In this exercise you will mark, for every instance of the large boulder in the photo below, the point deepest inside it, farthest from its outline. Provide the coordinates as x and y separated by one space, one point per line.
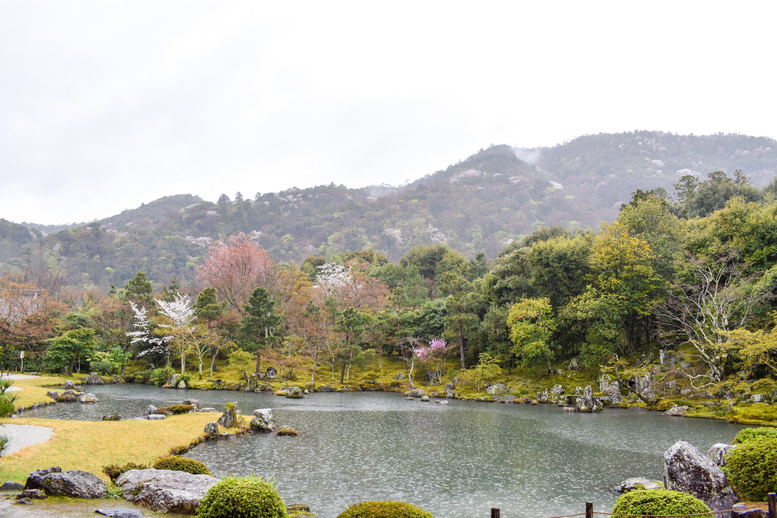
212 430
69 385
165 491
88 397
677 411
611 389
588 403
94 379
74 483
686 469
717 453
263 421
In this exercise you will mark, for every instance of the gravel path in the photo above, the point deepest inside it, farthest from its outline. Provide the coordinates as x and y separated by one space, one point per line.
22 435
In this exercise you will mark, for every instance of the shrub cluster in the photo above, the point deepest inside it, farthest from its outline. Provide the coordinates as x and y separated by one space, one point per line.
384 509
659 502
748 434
242 497
177 463
114 471
750 467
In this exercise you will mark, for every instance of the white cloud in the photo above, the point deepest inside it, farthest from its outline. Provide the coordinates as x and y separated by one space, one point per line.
110 104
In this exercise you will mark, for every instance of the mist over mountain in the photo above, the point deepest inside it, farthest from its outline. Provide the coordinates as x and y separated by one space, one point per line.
479 204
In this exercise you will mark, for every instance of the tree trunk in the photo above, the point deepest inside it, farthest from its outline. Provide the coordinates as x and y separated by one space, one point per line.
342 373
461 340
213 354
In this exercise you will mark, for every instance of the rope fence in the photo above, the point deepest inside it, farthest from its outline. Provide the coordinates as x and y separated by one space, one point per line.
732 513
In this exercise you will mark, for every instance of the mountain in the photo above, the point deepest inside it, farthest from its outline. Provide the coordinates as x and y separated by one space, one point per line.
480 204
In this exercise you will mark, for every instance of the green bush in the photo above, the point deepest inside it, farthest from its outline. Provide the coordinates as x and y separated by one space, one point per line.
659 502
161 376
750 468
242 497
176 463
748 434
114 471
240 357
3 442
384 509
102 367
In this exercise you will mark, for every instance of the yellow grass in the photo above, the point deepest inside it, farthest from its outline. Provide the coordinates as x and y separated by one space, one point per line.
90 445
34 390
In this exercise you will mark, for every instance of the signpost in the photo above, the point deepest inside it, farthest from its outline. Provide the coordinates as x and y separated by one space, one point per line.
21 357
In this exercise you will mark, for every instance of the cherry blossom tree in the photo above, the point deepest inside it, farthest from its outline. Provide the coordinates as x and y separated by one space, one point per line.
180 314
436 352
142 335
235 268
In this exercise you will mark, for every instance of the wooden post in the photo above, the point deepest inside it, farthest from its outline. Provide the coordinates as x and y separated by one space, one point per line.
495 512
772 499
589 510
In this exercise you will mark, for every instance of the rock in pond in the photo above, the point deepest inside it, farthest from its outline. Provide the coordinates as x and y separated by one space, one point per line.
74 483
630 484
686 469
263 421
94 379
88 397
165 491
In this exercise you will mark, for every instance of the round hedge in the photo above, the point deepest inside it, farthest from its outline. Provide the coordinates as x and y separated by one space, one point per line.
750 468
242 497
749 434
658 502
177 463
384 509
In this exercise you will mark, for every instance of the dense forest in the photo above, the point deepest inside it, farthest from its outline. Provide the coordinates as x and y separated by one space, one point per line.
688 274
497 196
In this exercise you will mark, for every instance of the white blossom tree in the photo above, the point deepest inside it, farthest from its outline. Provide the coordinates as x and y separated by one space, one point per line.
180 314
142 334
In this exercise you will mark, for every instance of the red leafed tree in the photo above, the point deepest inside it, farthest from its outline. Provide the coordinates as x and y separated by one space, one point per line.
235 268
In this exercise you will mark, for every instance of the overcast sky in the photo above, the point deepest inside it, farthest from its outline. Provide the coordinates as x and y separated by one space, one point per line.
105 105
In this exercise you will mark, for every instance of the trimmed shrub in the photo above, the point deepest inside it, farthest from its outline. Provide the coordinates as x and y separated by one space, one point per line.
176 463
659 502
750 468
114 471
384 509
242 497
102 367
748 434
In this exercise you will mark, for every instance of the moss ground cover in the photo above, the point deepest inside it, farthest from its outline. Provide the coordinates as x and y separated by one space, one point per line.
90 445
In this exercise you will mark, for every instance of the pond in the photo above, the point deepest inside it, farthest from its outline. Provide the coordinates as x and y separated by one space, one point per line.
456 460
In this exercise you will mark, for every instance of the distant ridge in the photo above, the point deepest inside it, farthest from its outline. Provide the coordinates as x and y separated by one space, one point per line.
479 204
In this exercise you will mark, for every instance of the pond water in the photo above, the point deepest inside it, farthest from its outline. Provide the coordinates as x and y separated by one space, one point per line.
456 460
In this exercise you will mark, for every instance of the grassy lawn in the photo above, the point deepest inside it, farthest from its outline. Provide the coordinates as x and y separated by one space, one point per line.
90 445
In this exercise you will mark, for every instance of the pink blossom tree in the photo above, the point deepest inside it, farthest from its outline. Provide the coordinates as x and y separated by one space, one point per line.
436 353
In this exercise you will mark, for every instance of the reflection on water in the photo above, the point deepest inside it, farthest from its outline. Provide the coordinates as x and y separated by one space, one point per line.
456 460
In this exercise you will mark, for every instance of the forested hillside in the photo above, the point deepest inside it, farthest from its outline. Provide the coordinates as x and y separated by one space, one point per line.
672 298
481 204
